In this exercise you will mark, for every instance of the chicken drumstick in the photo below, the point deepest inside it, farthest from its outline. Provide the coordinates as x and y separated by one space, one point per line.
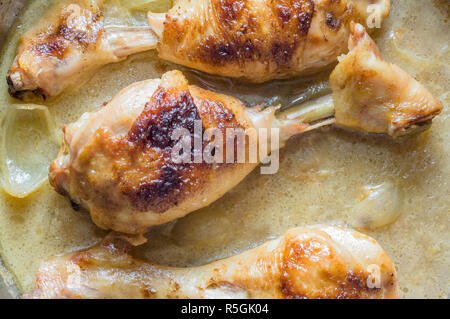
118 161
310 262
257 40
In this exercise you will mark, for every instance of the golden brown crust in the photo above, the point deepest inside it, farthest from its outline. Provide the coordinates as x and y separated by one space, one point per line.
138 170
241 37
336 281
258 40
68 30
372 95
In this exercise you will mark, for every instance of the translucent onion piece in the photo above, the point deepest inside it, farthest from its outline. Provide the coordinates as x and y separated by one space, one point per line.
29 141
153 5
381 206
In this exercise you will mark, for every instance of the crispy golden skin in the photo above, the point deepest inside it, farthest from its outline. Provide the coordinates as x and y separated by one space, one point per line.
372 95
259 40
310 262
68 42
118 161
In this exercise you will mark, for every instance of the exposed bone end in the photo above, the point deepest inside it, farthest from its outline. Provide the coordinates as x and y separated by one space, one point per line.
156 21
15 84
18 88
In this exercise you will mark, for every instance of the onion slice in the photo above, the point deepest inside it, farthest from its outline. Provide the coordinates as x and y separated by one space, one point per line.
381 205
29 141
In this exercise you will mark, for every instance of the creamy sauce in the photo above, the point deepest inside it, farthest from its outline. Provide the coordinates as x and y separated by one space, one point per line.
322 174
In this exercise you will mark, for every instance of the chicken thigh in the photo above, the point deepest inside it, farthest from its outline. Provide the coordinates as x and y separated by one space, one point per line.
257 40
311 262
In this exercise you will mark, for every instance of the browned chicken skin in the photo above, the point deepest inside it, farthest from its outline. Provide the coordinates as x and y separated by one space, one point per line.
370 94
68 42
116 162
310 262
257 40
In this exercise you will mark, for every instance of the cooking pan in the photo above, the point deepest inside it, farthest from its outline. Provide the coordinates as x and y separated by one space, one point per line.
9 10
